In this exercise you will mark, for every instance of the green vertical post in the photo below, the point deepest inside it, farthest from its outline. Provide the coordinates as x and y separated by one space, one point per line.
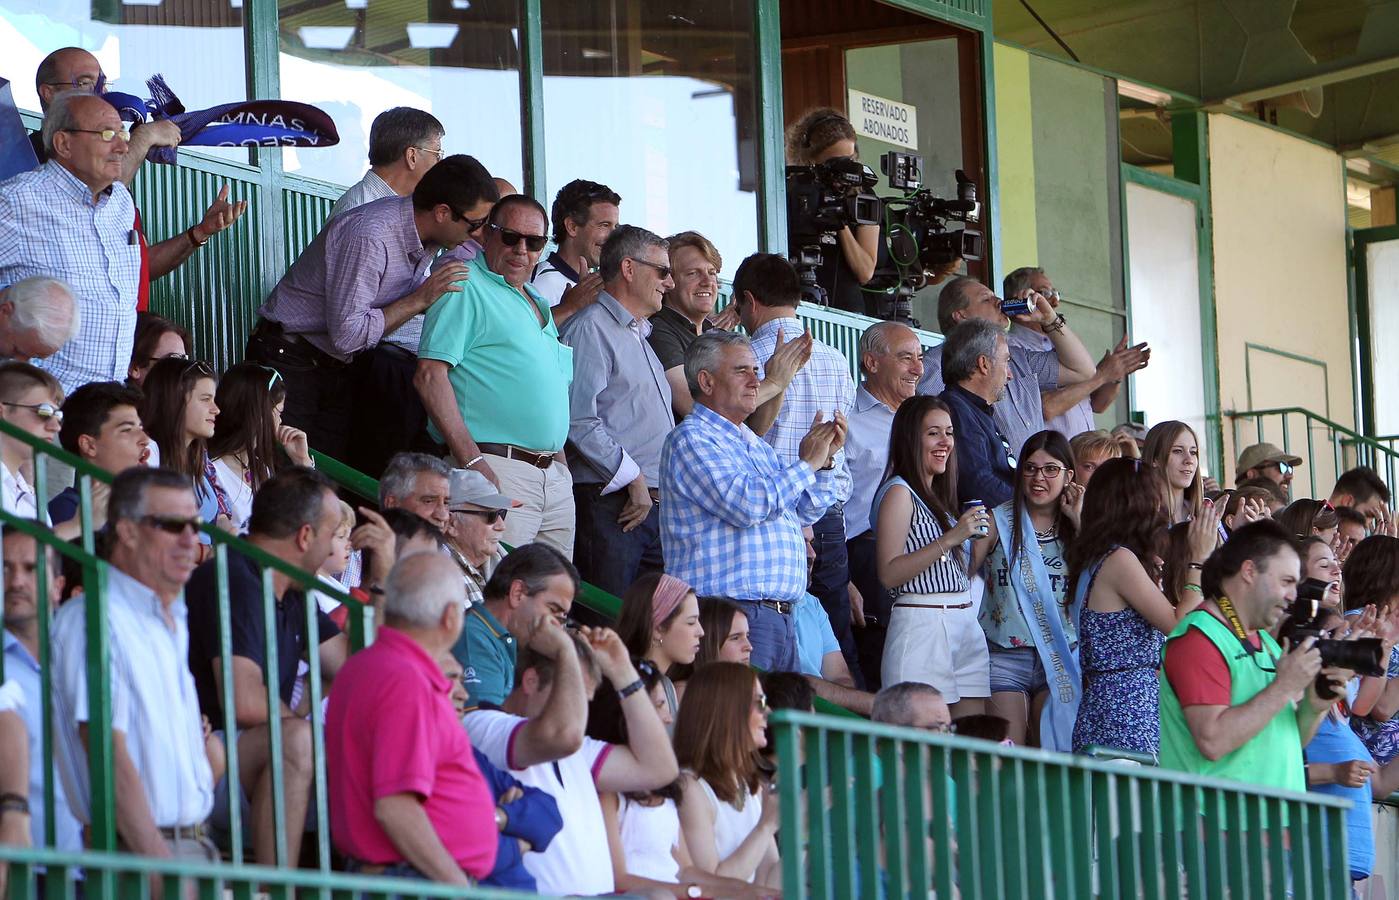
99 712
791 827
261 49
532 98
230 729
274 715
313 688
42 554
772 165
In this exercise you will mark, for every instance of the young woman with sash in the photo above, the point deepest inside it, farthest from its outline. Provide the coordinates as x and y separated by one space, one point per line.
925 552
1035 681
1122 616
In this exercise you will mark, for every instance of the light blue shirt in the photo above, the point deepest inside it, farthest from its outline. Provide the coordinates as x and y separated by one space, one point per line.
22 668
732 511
1079 418
815 637
867 454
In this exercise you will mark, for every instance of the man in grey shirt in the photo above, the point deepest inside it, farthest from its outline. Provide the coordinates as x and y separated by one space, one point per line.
1020 411
620 413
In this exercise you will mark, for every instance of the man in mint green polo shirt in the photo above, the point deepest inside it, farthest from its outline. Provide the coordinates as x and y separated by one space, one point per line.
1233 705
494 378
532 583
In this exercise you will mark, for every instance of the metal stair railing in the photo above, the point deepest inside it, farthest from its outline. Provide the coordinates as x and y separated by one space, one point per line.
1293 428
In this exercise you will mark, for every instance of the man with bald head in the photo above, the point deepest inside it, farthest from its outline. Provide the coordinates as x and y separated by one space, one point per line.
71 219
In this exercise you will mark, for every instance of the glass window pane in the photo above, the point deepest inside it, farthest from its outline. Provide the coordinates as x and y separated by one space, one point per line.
657 102
457 59
133 41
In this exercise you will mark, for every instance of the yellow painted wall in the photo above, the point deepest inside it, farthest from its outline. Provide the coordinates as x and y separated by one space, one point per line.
1015 160
1279 279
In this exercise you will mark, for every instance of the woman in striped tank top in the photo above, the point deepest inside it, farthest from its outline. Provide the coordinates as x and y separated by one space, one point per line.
924 552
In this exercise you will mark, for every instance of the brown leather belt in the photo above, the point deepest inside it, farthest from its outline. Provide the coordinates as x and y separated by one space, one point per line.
934 605
183 833
510 451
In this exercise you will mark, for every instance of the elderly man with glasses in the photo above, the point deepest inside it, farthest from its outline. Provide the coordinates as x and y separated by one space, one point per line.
495 379
364 276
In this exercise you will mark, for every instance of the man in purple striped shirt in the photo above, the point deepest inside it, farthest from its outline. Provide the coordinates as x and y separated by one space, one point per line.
362 277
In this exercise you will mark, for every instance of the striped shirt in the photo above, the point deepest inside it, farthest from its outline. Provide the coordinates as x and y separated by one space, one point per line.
154 703
363 260
368 189
946 576
823 384
50 226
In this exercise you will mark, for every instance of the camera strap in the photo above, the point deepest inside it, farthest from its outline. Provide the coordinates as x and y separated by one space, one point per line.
1236 624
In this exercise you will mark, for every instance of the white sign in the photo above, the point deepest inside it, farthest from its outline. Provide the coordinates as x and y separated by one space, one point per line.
884 120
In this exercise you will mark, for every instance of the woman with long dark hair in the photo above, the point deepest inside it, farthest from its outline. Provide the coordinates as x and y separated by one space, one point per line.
1123 617
660 622
250 443
1035 680
1372 579
157 338
1173 450
1310 518
925 551
179 413
728 813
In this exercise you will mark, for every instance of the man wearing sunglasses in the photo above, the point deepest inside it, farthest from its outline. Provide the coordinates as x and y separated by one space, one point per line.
29 400
477 520
164 786
494 378
1270 462
620 408
362 278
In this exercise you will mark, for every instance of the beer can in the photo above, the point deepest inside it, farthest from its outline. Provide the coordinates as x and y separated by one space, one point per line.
1016 307
982 530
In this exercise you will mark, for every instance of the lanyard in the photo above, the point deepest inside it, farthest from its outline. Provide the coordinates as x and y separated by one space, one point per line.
1235 624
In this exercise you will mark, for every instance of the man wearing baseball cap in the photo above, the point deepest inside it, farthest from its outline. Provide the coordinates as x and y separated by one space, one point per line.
1267 461
476 511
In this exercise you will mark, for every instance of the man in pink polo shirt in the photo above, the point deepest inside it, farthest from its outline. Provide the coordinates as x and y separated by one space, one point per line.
406 796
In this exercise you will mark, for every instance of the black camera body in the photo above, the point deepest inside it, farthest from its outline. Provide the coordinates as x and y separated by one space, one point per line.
821 200
1362 655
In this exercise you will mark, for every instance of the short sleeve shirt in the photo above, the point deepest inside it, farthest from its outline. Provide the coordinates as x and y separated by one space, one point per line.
486 651
671 335
510 374
578 860
815 637
391 729
247 634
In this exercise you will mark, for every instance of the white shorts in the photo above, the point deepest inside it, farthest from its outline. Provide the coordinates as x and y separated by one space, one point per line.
942 647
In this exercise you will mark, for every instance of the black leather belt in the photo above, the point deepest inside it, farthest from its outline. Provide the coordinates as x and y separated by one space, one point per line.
785 607
510 451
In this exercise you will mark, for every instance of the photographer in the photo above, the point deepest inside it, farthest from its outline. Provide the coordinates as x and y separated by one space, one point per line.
1237 714
820 135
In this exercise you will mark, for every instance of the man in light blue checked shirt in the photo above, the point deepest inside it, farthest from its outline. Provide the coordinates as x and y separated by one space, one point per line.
766 292
733 511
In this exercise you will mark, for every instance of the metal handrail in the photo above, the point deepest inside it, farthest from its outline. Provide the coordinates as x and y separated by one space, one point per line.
1348 446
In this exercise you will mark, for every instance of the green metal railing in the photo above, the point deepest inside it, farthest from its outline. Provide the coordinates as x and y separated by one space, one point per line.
875 811
1304 433
129 877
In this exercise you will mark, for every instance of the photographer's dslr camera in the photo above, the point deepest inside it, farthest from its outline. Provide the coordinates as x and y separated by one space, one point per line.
1360 655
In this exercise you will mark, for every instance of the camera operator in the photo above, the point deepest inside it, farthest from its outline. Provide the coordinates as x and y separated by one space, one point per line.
1258 739
823 134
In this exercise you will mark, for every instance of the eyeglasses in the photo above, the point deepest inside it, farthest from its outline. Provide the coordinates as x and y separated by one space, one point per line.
176 525
940 728
107 134
438 153
471 224
42 410
491 516
1050 471
760 703
533 242
85 83
663 270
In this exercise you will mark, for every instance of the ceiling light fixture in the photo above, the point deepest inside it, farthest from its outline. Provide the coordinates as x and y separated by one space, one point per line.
326 37
431 35
1142 93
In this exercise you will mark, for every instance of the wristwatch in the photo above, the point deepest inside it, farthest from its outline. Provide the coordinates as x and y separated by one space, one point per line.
693 890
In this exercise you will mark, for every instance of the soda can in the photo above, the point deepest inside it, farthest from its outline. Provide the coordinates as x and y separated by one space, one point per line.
982 530
1016 307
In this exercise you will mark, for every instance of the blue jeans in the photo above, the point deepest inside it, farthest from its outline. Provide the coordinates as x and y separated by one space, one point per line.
605 556
773 636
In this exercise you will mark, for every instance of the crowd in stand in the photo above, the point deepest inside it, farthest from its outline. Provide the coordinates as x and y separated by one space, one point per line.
948 544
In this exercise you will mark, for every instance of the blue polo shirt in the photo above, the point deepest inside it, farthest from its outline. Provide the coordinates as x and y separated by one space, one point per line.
510 374
486 651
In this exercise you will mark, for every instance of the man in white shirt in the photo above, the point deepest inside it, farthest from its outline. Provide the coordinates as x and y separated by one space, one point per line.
584 214
403 144
538 737
163 785
29 400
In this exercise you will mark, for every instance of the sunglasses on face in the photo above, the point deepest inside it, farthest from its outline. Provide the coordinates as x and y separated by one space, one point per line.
42 410
106 134
533 242
471 224
82 83
760 703
663 270
491 516
176 525
1282 467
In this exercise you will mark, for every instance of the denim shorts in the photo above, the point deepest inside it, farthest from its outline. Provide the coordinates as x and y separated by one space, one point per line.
1017 669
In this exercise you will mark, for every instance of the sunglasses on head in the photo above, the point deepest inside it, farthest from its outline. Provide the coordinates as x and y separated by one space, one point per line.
201 367
173 524
533 242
